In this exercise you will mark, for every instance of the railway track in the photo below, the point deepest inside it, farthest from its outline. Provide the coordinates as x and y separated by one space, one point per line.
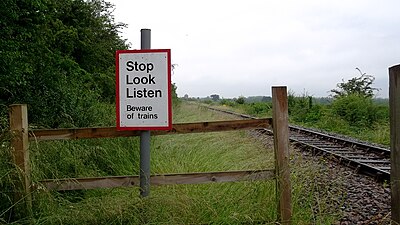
364 158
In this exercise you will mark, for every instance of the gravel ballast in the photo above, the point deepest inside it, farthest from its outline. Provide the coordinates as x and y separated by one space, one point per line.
356 198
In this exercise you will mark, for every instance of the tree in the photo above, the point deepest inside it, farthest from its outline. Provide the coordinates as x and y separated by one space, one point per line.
353 101
174 95
241 100
57 57
302 109
361 86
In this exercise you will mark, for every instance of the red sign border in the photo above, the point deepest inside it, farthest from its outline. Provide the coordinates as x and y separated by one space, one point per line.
169 125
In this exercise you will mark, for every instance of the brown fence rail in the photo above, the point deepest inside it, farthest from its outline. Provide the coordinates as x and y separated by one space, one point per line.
165 179
183 128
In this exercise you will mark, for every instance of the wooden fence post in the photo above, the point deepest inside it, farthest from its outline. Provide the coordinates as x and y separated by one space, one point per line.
394 103
281 146
20 154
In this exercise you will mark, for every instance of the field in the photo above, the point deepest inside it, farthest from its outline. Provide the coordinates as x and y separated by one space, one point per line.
227 203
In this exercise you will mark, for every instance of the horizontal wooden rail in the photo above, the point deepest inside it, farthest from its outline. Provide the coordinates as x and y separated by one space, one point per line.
183 128
129 181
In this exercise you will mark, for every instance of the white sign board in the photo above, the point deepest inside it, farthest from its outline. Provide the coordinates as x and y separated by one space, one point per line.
143 80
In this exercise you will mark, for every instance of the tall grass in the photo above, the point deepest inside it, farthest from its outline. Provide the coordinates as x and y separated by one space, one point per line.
7 175
226 203
372 126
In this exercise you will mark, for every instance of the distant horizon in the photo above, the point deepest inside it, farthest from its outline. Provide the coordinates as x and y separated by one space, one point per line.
222 97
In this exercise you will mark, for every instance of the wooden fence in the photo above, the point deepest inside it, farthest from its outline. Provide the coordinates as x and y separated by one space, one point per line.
281 172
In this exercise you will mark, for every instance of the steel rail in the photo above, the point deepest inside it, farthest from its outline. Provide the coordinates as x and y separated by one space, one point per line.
365 158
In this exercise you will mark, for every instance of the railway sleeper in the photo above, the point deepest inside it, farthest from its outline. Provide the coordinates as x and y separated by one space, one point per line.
350 155
383 168
341 150
372 161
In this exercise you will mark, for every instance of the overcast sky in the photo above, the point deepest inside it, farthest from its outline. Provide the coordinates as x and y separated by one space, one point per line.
235 48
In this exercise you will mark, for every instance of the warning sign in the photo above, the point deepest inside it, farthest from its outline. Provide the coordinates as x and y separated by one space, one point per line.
143 80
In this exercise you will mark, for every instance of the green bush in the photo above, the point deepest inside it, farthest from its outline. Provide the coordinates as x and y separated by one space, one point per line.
259 108
357 110
175 100
303 110
241 100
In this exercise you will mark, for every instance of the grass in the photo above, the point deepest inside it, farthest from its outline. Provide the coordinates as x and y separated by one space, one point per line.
378 133
225 203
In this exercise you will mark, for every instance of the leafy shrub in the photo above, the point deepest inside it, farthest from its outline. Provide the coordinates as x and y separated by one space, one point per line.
302 109
240 100
361 85
175 99
357 110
